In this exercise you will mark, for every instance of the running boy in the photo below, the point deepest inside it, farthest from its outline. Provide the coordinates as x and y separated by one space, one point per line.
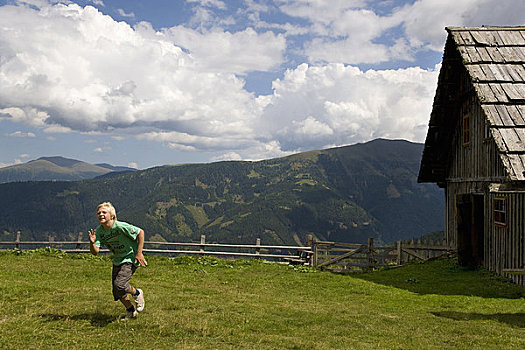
125 241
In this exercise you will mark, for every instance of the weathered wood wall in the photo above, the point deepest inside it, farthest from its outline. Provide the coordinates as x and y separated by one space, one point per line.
473 168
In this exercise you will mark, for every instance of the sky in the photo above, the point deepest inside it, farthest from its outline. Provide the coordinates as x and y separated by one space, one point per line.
145 83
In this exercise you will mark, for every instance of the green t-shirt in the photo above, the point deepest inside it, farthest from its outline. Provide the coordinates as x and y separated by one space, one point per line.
121 240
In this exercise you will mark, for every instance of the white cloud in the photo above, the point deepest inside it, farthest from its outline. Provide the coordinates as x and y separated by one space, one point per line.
221 51
83 71
125 14
21 134
447 13
355 32
133 165
227 156
210 3
318 106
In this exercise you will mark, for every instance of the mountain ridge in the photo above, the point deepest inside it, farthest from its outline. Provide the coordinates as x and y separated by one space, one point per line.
56 168
344 194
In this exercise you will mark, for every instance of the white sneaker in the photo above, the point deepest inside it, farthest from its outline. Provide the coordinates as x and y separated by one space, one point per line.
131 314
139 300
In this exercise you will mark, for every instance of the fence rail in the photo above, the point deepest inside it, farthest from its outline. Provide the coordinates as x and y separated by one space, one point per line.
297 254
321 254
347 257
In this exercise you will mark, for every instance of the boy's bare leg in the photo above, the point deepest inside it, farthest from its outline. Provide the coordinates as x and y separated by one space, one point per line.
131 290
126 302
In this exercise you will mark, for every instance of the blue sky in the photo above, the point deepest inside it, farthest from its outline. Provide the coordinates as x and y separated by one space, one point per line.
148 83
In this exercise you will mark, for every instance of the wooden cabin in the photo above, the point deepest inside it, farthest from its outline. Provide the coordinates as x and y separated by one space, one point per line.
475 146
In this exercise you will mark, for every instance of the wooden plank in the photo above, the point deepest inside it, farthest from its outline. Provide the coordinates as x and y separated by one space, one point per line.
514 271
517 166
476 73
511 37
413 253
492 115
515 115
483 37
514 72
495 54
498 41
457 38
519 51
473 54
489 75
499 75
467 38
505 116
521 110
522 159
498 139
512 140
344 256
483 54
521 134
485 93
520 70
464 53
509 55
510 73
514 92
499 93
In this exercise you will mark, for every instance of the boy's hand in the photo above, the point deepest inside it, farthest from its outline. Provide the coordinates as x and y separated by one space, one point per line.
92 236
140 258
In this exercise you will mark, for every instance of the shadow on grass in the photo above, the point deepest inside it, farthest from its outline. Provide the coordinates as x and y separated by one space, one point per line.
446 277
514 320
96 319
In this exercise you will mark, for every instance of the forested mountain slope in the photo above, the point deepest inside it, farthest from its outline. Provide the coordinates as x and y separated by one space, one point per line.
341 194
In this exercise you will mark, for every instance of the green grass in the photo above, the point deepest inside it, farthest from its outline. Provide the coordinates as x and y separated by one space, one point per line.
50 300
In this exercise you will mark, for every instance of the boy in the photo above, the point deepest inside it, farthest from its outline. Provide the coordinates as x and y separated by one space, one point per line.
125 241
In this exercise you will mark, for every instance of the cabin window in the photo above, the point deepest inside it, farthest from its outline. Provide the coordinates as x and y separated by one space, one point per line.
486 130
500 210
467 118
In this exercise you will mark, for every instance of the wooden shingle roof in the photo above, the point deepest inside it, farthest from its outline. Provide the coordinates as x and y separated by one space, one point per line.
494 58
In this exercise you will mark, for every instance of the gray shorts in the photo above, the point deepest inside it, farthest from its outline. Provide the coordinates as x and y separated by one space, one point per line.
121 275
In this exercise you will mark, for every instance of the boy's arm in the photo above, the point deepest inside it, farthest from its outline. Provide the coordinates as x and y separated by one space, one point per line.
92 238
140 257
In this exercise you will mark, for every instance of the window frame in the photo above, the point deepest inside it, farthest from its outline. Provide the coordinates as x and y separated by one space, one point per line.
487 134
500 214
467 129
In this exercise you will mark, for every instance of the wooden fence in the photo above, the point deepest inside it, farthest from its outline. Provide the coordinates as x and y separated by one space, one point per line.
293 254
320 254
356 257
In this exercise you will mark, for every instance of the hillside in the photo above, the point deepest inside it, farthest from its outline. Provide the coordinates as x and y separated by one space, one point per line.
55 169
342 194
207 303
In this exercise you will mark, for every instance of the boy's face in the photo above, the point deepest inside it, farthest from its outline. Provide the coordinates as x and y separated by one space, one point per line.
103 215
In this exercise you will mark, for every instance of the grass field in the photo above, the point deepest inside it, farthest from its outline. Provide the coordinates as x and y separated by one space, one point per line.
50 300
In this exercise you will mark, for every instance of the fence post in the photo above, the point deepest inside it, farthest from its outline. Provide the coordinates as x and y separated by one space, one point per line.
314 248
79 240
203 241
17 244
258 248
399 252
370 252
309 243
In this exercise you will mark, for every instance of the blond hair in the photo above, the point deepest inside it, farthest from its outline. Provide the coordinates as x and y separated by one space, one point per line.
111 208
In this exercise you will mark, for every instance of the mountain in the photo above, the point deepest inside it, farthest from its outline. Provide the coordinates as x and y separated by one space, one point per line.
56 169
344 194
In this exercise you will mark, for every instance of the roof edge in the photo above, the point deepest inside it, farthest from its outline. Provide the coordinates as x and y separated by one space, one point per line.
459 29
